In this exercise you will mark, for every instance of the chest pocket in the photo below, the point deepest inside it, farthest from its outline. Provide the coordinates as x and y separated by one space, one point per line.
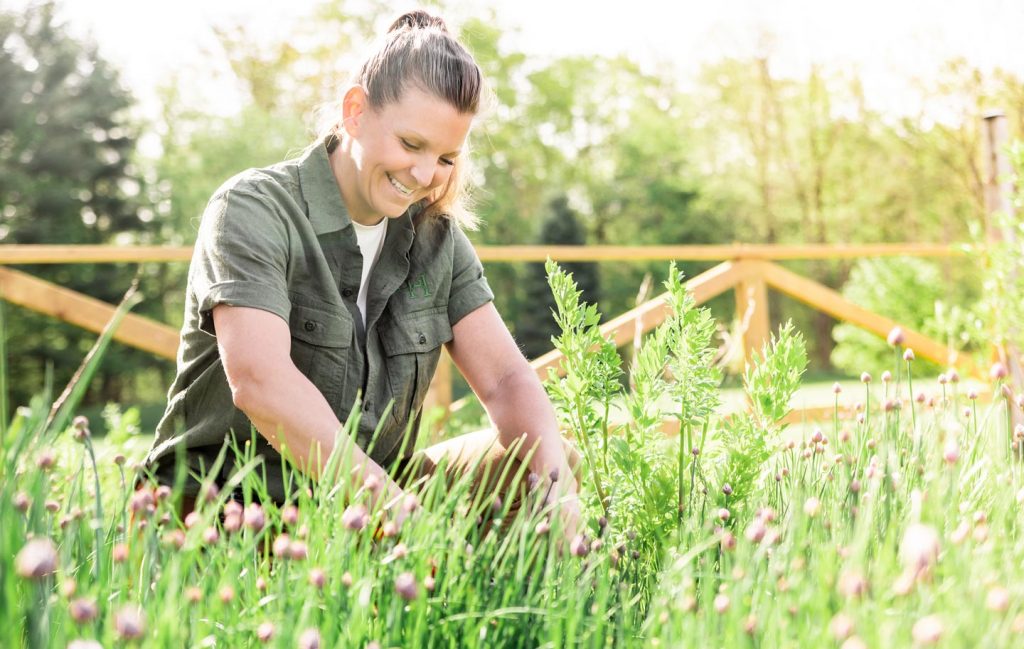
412 344
321 342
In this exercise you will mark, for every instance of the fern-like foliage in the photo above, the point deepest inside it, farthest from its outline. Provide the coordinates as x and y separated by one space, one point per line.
749 439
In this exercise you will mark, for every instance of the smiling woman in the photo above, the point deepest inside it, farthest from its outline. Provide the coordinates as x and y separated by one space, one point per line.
339 275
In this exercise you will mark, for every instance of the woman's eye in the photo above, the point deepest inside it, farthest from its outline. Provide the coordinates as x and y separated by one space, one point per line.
409 145
447 162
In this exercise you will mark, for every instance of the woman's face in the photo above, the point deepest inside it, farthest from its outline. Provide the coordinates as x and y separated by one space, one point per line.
402 152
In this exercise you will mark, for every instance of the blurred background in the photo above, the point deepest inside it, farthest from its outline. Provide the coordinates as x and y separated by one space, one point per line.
612 123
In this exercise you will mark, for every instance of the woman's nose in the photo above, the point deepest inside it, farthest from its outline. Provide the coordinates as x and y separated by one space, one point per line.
423 172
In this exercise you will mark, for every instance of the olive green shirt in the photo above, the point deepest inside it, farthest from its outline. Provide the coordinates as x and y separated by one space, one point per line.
280 239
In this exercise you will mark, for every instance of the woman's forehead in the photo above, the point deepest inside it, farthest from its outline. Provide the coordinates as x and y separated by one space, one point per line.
429 118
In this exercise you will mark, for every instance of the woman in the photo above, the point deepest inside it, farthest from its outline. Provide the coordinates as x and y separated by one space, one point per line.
342 273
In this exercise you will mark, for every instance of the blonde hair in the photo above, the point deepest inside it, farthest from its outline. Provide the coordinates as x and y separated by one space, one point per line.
418 49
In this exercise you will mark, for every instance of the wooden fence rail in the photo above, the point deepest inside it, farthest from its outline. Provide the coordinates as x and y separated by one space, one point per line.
746 269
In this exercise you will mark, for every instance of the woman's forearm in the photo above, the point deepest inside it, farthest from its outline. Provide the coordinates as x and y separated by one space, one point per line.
521 409
288 410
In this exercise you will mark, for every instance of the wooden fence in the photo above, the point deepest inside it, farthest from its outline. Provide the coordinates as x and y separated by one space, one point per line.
750 271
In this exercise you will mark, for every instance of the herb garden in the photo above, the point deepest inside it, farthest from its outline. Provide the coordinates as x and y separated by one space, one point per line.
894 523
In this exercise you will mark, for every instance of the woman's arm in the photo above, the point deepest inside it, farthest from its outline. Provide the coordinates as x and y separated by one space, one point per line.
282 403
484 351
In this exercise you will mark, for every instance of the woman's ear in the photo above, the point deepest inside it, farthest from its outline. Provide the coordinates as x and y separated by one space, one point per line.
353 107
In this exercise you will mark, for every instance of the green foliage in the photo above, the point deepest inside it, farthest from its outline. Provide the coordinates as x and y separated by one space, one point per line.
747 441
910 291
67 176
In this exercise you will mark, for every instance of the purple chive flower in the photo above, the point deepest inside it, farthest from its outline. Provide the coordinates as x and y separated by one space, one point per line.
254 517
543 527
130 623
310 639
908 355
290 515
895 336
579 546
865 377
954 377
265 632
297 551
886 376
83 610
80 428
405 586
410 503
37 559
998 372
355 517
280 546
317 578
727 489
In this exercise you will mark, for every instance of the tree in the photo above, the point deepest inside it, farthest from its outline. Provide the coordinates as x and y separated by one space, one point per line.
536 324
66 176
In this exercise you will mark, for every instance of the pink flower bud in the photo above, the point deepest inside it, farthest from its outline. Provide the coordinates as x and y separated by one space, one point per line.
280 546
254 517
723 514
998 372
928 630
355 517
836 388
193 594
921 397
83 610
886 376
579 546
954 376
265 632
817 436
119 553
908 354
317 578
310 639
22 502
261 584
389 529
290 515
429 583
405 586
895 336
174 539
372 483
130 623
543 527
192 519
232 523
865 377
722 603
346 579
920 548
998 599
812 506
952 452
852 584
943 379
728 541
232 508
972 394
841 626
297 551
211 535
226 594
411 503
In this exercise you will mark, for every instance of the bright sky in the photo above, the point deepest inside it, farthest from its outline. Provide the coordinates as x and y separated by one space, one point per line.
888 41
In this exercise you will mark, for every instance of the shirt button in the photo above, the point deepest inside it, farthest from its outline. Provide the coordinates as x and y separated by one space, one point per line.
423 339
310 325
346 292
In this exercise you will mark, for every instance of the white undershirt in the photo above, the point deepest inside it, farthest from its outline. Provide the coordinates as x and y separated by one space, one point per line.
371 241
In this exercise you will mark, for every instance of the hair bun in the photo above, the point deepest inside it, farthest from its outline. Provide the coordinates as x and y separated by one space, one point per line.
417 19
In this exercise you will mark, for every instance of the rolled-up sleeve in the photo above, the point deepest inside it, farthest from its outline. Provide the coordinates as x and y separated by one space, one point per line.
241 256
469 288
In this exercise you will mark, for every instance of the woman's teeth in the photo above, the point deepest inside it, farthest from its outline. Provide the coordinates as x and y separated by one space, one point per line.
399 186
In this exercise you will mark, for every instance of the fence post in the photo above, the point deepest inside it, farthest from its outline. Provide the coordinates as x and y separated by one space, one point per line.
752 312
998 192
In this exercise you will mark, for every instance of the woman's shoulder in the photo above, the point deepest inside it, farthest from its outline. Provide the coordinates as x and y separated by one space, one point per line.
275 182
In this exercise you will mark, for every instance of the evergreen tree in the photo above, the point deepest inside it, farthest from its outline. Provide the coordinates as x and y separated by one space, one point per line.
66 177
537 325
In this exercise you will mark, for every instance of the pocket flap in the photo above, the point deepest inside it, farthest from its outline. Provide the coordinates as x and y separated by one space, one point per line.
413 335
320 326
